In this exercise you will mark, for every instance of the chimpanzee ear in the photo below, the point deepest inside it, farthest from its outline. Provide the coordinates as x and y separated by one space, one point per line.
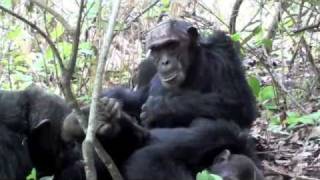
223 156
193 33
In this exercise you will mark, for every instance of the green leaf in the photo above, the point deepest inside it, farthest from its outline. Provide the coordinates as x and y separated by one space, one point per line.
292 118
15 33
57 32
236 37
48 54
264 42
205 175
267 43
165 3
267 93
254 84
65 48
32 175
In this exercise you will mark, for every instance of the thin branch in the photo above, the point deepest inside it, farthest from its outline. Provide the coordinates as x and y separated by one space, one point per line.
306 28
273 26
130 21
209 10
87 147
41 32
54 13
234 15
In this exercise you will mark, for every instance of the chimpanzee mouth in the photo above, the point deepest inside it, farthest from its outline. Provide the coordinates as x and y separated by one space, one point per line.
169 77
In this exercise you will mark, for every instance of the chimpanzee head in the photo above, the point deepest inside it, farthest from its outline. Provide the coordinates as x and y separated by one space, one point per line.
235 167
172 44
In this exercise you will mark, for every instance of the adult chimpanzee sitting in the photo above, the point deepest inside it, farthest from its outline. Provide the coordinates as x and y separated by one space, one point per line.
168 153
196 77
30 124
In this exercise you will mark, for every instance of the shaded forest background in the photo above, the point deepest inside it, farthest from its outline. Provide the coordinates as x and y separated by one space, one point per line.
279 41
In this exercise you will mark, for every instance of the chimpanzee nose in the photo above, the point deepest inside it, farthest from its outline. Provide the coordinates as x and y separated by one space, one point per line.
165 62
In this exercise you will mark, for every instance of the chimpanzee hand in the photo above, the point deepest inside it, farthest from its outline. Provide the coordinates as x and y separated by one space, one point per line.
108 111
153 109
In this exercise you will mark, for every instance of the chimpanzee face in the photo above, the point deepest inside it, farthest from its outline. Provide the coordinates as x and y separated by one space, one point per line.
172 61
171 50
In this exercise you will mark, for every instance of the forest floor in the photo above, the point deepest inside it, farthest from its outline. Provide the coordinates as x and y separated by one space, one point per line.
293 154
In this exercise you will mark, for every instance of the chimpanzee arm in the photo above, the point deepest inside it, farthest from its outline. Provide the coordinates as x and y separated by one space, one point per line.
184 108
131 101
115 129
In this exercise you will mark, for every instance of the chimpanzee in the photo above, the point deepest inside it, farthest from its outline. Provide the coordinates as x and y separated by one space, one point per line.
235 167
144 74
30 124
196 77
14 155
168 153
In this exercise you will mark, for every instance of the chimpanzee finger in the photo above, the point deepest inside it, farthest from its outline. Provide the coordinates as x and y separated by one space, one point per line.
111 103
104 100
114 112
144 107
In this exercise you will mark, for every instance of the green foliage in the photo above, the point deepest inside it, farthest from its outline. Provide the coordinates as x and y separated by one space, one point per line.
254 84
32 175
206 175
266 93
295 118
6 3
264 42
236 37
57 32
65 49
266 97
15 33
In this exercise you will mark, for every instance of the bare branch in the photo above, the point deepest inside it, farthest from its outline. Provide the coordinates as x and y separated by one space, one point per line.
41 32
53 12
90 136
234 15
280 7
309 27
130 21
211 12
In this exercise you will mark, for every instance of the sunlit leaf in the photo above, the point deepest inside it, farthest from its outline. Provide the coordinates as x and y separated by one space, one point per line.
206 175
57 32
165 3
15 33
66 49
32 175
236 37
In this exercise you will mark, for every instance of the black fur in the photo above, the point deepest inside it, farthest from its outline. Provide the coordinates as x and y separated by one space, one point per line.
180 153
169 153
30 124
215 88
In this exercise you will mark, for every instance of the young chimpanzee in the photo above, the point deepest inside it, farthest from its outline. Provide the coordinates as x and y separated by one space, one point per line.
30 124
168 153
196 77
